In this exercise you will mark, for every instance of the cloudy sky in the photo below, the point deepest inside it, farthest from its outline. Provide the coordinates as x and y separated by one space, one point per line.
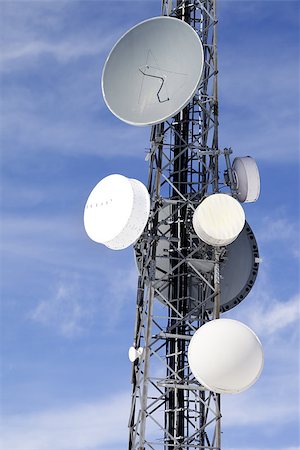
68 304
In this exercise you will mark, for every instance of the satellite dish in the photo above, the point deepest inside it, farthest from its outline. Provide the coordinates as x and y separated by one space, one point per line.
117 211
225 356
218 220
238 267
238 270
134 354
153 71
247 179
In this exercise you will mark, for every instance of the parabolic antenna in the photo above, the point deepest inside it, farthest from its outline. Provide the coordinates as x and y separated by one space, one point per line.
238 268
218 220
153 71
247 178
134 354
117 211
225 356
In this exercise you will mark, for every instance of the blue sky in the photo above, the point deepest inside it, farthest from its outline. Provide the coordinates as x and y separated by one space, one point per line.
68 304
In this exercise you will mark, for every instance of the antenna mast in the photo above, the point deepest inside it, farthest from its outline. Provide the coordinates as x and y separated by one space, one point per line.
163 72
169 409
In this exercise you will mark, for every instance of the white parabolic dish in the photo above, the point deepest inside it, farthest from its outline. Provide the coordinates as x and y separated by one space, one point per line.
247 177
153 71
117 211
219 219
225 356
134 354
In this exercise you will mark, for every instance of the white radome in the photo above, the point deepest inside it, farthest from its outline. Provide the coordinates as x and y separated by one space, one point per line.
134 354
247 178
117 211
142 83
219 219
225 356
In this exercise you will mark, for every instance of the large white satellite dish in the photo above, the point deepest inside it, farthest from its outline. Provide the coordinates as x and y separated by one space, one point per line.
117 211
225 356
219 219
153 71
247 178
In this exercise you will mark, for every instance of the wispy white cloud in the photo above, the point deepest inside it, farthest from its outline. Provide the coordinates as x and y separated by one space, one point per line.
275 319
55 242
263 398
28 40
33 431
57 251
268 315
62 51
244 87
121 287
68 311
96 425
62 111
279 228
49 239
71 310
266 311
102 424
256 410
74 137
258 84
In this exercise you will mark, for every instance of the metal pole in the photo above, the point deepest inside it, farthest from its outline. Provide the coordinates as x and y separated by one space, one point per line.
216 315
146 369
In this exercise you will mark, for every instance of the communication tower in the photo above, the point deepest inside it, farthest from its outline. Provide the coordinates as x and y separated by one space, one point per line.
196 255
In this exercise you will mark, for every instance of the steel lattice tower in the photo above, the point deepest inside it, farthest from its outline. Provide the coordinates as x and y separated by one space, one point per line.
179 274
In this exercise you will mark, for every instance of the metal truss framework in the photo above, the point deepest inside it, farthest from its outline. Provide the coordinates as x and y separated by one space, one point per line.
170 409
